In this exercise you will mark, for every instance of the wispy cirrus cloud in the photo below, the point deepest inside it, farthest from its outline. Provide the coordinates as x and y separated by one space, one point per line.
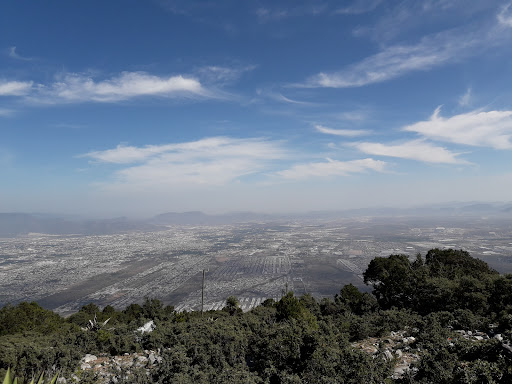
465 99
223 75
79 88
341 132
359 7
11 52
215 161
477 128
266 14
505 15
400 18
6 112
212 161
314 8
414 150
15 88
332 168
398 60
271 13
356 115
270 94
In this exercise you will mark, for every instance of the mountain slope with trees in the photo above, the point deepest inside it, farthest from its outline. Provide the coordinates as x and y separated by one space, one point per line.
435 302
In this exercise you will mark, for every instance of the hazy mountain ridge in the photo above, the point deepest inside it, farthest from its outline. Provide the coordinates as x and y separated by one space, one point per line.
15 224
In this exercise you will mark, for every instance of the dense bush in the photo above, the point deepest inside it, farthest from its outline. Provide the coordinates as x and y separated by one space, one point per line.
293 340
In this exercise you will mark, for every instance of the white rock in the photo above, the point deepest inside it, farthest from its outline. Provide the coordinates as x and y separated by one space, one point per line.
498 337
88 358
148 327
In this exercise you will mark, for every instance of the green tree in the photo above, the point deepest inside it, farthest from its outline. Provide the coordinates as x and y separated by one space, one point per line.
452 263
355 300
392 279
232 305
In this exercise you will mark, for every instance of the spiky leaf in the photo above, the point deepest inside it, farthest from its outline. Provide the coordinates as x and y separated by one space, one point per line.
7 378
54 380
41 379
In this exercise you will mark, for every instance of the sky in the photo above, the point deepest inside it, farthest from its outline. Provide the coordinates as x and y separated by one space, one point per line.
136 108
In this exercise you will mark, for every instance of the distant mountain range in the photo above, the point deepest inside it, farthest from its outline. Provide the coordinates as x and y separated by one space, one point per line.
200 218
15 224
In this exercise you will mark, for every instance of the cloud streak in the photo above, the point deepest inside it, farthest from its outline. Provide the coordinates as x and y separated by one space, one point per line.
414 150
398 60
465 99
332 168
359 7
128 85
79 88
341 132
223 75
6 112
505 16
477 128
210 161
15 88
269 14
14 55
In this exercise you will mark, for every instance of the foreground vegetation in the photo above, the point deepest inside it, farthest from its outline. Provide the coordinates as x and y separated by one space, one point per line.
294 340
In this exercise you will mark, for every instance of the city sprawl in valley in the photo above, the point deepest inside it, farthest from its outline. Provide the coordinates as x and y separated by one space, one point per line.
253 261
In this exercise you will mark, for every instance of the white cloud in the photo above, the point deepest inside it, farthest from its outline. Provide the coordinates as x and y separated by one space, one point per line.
15 88
505 16
465 99
414 150
312 8
14 55
126 154
402 19
354 115
216 161
281 97
429 5
332 168
6 112
359 7
277 96
164 172
398 60
341 132
79 88
223 75
477 128
265 14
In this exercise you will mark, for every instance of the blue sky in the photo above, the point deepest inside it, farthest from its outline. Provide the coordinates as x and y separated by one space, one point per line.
141 107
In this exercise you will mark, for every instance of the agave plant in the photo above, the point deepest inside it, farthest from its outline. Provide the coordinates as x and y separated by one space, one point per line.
10 379
94 325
